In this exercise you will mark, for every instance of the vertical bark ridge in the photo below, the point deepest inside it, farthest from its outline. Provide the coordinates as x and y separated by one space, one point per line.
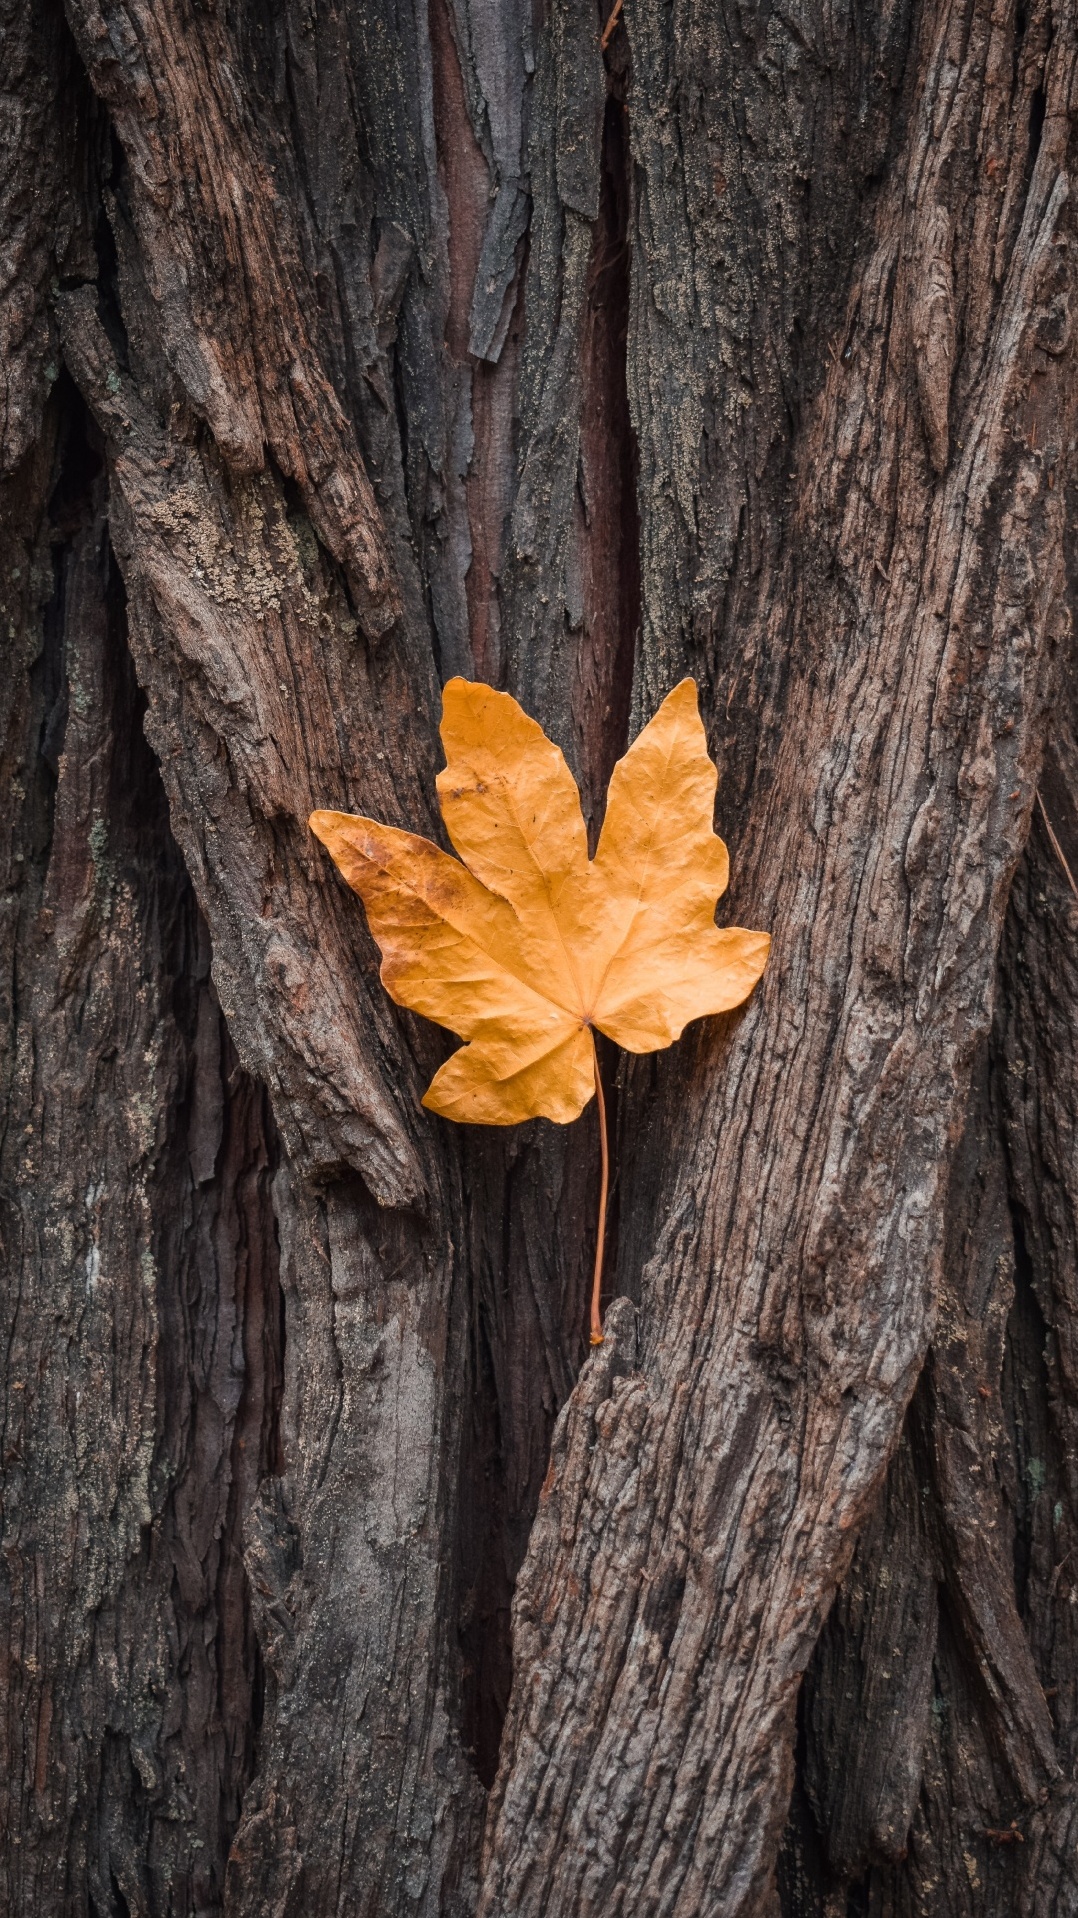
989 1750
775 1360
225 271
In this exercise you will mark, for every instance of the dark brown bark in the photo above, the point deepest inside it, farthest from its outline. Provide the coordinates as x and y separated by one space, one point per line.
142 1327
347 348
939 1717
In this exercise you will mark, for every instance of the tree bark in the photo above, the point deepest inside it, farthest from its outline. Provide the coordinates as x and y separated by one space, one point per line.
346 348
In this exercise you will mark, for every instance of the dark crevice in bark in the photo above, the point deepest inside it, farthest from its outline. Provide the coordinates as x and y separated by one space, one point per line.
80 465
1035 1472
609 469
531 1226
802 1865
535 1195
483 1618
111 197
1038 107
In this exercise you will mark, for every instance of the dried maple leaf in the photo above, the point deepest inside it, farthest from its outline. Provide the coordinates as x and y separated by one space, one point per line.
529 945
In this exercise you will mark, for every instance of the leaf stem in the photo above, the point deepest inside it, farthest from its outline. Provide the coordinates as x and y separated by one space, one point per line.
604 1187
608 30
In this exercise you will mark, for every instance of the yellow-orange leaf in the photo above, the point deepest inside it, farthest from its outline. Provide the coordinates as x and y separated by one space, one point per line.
528 944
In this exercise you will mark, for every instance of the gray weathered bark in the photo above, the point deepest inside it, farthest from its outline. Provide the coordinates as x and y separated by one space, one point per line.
346 348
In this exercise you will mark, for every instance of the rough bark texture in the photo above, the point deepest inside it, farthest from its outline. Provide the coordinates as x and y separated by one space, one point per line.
343 348
142 1324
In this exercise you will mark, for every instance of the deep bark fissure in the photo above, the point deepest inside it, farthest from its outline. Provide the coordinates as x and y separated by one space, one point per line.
1025 1396
609 467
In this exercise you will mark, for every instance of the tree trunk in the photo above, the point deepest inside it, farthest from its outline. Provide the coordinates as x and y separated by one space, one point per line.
346 348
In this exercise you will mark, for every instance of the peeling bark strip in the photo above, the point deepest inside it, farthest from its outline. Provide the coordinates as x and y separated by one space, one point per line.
223 617
224 268
579 349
